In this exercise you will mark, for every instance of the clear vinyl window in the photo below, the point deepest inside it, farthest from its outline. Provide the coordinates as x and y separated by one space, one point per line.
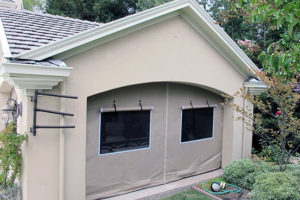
197 123
124 130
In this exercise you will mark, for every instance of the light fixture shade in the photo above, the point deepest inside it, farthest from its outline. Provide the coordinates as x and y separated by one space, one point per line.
7 113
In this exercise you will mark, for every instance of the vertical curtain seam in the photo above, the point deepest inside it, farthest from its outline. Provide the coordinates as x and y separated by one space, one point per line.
166 132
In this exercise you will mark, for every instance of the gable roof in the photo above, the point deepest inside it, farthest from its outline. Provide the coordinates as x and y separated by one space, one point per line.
61 37
93 34
26 30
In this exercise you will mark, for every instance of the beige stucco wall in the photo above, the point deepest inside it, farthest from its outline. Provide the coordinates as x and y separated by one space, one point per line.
41 153
3 98
171 51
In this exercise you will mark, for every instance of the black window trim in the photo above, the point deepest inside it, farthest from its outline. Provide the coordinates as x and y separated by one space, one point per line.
103 110
195 107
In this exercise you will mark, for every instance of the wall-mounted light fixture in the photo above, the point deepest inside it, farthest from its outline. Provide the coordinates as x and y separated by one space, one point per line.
10 111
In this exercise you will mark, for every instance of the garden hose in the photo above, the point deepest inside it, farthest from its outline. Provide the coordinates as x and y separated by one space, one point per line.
237 190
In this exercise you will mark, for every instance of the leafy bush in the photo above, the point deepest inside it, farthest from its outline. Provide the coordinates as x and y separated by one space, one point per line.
275 186
243 172
11 193
10 155
294 170
270 153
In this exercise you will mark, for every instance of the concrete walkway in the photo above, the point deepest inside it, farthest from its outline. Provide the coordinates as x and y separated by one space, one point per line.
160 191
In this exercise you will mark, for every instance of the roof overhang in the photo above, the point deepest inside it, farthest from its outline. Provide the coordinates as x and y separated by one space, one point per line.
190 10
30 77
254 86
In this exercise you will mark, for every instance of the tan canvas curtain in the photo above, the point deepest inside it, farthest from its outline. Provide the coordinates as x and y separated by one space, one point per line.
167 158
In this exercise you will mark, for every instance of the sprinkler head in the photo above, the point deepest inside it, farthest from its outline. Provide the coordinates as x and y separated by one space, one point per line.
215 187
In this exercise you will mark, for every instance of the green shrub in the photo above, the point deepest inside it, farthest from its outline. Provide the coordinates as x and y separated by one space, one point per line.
10 193
275 186
294 170
10 155
243 172
270 153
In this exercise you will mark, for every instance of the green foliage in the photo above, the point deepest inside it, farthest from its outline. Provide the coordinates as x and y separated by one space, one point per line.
100 11
188 195
275 186
294 170
107 10
282 56
34 5
270 153
146 4
286 134
11 193
243 172
10 155
264 179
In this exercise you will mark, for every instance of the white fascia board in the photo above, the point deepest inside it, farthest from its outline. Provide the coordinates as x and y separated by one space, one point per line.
82 38
4 44
27 69
257 84
255 88
30 77
188 9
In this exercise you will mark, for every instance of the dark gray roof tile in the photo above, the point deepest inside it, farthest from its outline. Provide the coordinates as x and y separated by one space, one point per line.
26 30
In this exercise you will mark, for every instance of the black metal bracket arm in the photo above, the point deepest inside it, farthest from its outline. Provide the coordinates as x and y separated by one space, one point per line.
34 99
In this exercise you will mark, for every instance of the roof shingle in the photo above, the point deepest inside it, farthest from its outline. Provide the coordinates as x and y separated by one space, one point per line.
26 30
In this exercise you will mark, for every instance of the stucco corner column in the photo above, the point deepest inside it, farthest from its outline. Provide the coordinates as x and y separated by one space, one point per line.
233 130
247 133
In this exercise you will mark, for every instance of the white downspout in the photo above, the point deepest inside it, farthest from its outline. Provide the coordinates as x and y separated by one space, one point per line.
166 133
62 145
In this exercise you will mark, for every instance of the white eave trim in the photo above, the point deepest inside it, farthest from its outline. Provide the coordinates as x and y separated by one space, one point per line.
188 9
28 69
30 77
4 44
255 87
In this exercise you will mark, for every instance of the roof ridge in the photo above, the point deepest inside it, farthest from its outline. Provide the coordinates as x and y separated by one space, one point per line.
50 15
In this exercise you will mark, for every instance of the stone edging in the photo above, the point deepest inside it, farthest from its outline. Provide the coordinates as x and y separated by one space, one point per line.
205 193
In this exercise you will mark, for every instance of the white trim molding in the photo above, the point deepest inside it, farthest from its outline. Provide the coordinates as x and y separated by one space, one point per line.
5 87
254 86
190 10
4 44
31 77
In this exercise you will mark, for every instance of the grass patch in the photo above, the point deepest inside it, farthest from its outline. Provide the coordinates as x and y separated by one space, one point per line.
187 195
